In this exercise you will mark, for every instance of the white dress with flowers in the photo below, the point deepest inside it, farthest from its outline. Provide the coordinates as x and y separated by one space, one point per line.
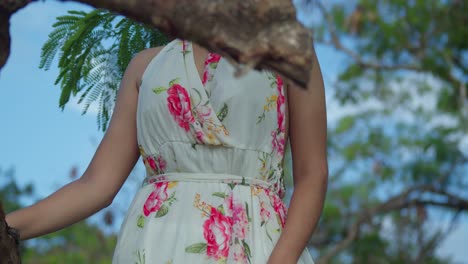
213 151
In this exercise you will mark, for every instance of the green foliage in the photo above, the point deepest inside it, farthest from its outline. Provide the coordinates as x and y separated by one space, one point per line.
94 50
80 243
403 78
10 192
395 36
77 244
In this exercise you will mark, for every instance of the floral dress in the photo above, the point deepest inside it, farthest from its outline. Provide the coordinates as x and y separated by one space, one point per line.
213 151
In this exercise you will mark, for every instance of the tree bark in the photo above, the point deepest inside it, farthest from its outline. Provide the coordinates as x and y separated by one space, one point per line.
256 34
9 251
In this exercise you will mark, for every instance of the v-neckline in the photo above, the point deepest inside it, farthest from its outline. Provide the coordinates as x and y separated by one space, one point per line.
200 76
193 67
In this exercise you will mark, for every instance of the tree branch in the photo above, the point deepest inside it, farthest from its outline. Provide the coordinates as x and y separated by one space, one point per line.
7 8
406 199
259 34
335 42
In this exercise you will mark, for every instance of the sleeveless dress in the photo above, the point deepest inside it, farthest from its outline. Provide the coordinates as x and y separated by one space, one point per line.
213 151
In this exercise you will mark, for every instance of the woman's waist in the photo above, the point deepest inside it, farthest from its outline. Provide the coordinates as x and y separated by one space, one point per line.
211 177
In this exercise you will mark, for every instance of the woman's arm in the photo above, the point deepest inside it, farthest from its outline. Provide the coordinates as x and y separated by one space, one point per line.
308 137
112 163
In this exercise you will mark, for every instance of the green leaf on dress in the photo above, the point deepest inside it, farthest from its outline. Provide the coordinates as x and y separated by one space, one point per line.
261 118
196 248
271 239
219 194
223 112
141 257
141 221
278 219
162 211
159 89
243 181
172 82
198 93
213 65
246 249
221 209
171 199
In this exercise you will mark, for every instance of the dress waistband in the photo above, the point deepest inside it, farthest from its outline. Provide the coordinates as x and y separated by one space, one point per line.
208 177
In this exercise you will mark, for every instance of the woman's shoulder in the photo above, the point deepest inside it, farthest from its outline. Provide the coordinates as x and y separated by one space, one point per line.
146 55
140 62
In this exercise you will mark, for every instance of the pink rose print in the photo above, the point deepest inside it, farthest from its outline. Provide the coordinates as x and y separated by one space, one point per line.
199 135
151 163
161 164
157 165
281 189
212 58
178 102
280 104
239 254
205 76
277 140
203 113
279 208
240 221
228 204
264 213
156 198
217 233
278 135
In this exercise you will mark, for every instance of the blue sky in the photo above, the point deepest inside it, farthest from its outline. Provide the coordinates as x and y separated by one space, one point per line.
42 142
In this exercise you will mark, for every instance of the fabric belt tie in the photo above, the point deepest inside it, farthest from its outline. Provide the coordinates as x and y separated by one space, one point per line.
210 177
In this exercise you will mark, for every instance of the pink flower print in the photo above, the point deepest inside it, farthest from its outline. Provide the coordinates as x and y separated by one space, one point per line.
178 103
264 213
205 76
280 104
157 165
184 46
240 221
281 190
203 113
228 204
217 233
161 164
278 142
239 254
156 198
152 163
199 135
279 207
212 58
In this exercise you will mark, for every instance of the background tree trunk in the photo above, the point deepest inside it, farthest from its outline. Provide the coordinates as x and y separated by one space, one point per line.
9 252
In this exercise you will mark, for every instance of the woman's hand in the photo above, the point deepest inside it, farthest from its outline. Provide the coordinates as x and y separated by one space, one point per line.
281 260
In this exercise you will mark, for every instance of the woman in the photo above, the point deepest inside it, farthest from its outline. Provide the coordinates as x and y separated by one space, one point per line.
213 147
